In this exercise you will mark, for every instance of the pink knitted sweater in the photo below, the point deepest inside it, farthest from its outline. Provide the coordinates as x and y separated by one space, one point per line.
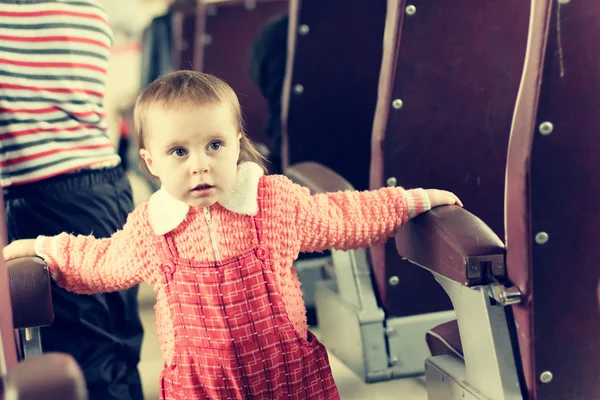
294 222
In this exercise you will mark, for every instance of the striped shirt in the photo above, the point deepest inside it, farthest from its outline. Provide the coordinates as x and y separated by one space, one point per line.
53 66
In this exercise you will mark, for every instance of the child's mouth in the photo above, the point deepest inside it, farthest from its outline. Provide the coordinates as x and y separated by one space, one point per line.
202 190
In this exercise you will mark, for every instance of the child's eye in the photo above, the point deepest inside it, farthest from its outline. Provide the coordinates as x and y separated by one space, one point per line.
214 146
179 152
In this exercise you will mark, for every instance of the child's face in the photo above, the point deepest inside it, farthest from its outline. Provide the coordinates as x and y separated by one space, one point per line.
194 151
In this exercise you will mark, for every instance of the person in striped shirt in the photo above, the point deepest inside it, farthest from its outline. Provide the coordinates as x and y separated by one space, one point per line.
60 172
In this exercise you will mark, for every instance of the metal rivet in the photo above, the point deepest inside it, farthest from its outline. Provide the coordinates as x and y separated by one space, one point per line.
474 267
303 29
397 104
546 377
411 10
206 39
393 361
391 181
564 1
541 238
394 280
298 89
546 128
498 266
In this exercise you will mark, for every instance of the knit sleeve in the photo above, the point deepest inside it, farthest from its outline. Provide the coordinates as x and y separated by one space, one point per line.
352 219
84 264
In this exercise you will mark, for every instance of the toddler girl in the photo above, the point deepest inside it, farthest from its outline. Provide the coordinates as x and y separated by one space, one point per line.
217 243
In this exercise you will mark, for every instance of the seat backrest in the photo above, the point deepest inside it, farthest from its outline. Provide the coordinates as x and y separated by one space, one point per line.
330 91
552 221
448 84
216 37
187 36
230 29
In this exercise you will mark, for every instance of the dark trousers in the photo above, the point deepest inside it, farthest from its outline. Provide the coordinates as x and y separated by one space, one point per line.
102 331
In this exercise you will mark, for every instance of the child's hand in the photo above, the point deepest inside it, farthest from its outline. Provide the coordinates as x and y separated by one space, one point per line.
442 198
20 248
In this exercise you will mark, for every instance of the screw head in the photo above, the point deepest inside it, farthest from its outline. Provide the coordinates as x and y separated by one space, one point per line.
542 238
303 29
397 104
411 10
298 89
391 181
394 280
546 377
546 128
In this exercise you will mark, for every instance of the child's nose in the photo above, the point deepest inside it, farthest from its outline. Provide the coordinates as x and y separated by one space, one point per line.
199 164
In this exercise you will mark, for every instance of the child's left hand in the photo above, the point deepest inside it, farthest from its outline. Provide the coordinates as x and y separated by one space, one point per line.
442 198
20 248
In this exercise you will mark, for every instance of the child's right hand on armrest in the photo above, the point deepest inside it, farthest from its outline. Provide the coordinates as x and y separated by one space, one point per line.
20 248
442 198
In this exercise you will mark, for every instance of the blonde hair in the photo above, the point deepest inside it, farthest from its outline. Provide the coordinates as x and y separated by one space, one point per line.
191 87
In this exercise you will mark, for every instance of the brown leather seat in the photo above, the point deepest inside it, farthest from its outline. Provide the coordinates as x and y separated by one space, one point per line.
330 92
49 376
552 254
422 134
445 339
447 89
329 97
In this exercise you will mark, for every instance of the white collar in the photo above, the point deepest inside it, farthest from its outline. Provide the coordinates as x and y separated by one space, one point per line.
166 212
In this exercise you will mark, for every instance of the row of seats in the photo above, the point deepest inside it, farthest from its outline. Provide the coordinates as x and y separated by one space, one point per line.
216 38
439 116
435 104
496 103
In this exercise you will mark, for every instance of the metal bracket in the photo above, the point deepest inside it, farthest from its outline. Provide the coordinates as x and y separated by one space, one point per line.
504 296
483 269
31 342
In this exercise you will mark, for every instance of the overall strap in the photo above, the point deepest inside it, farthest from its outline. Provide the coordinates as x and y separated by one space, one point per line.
258 218
167 246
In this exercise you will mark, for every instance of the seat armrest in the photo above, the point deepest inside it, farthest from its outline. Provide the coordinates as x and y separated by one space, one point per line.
452 242
48 376
317 178
30 293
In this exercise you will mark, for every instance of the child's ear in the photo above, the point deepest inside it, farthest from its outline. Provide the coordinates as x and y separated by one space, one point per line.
240 135
145 154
